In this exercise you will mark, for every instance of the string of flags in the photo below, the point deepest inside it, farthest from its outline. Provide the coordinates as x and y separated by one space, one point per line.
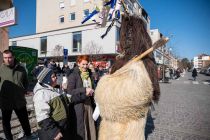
110 11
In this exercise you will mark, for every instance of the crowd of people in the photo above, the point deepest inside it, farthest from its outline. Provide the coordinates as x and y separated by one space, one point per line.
63 111
167 73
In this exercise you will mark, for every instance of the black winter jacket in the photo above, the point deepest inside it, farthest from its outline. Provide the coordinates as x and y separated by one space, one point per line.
13 86
75 86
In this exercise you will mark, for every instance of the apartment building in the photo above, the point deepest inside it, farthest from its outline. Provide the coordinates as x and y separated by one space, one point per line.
58 23
163 55
206 61
201 61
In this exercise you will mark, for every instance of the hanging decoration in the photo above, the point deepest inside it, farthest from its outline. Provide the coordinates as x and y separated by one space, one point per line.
110 11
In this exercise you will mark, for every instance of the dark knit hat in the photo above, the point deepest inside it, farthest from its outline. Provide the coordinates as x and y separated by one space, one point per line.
45 76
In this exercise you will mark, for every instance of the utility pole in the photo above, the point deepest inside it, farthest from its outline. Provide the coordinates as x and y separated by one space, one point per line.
163 69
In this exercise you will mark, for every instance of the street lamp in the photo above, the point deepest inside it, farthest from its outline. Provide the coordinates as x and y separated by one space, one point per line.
170 56
163 69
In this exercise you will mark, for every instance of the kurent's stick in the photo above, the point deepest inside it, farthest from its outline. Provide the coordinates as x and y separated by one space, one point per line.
156 45
124 6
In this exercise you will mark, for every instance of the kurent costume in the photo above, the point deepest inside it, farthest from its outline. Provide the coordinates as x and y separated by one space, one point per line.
51 108
124 97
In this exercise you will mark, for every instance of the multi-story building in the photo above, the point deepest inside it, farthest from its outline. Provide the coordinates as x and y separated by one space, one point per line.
201 61
163 55
58 24
206 61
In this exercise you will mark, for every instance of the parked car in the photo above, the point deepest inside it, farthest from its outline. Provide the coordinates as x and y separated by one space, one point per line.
203 71
208 71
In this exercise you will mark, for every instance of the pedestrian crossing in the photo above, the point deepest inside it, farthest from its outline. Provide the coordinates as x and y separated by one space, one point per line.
196 82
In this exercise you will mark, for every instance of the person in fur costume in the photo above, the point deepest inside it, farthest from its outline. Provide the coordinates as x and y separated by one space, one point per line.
124 96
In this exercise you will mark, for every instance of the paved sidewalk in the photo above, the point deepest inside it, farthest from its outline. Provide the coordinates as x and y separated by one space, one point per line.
183 111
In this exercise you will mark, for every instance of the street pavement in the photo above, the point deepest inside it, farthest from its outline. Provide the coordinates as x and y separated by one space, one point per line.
183 112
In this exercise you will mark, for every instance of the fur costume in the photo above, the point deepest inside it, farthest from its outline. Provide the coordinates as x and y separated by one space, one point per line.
124 97
123 105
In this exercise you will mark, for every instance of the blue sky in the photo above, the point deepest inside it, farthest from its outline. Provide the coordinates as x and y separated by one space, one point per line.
188 21
26 18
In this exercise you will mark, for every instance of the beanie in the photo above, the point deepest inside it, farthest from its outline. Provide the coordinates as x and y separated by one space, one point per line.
45 76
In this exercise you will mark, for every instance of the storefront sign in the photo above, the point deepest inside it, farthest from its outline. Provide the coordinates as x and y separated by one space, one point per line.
7 17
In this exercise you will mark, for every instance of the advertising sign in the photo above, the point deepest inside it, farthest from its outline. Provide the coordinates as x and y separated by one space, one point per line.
26 56
7 17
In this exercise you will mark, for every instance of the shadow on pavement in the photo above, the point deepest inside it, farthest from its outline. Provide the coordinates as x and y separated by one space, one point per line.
207 81
149 125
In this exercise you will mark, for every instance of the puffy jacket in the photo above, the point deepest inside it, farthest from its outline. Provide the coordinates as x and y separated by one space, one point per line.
51 109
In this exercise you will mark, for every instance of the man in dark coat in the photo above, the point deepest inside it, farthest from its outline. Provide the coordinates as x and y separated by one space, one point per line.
194 74
13 86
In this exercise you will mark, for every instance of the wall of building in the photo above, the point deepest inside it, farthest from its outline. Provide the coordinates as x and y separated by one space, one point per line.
197 62
48 13
4 39
155 35
48 19
48 25
108 43
201 61
65 39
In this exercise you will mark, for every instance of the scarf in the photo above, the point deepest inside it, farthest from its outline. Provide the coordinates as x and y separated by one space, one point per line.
86 79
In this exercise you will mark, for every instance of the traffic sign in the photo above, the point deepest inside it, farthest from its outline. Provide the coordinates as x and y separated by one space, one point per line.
65 56
65 52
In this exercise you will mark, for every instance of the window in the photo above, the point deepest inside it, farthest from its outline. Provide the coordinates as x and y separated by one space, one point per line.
61 5
86 12
152 33
61 19
117 34
14 43
72 16
77 42
144 14
136 5
72 2
140 11
43 45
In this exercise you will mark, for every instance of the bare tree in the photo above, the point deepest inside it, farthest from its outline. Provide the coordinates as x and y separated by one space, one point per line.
93 50
58 52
